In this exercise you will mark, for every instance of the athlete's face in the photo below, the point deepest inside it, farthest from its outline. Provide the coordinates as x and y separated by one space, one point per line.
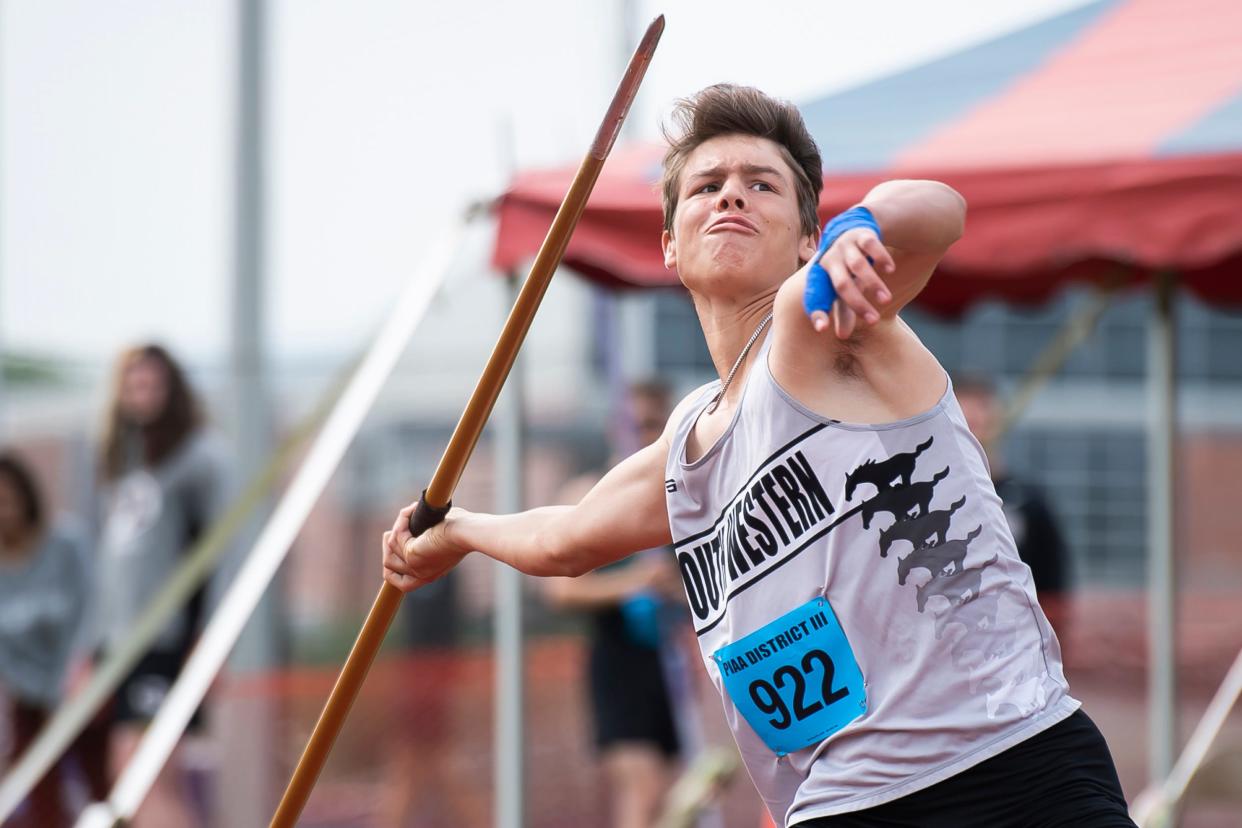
736 228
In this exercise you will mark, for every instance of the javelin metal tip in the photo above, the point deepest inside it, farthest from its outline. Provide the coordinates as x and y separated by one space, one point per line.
611 127
655 29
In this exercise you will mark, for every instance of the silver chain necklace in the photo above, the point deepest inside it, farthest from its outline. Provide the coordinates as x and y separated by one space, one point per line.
763 323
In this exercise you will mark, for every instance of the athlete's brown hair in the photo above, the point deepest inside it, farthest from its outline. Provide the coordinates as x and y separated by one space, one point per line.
726 109
179 418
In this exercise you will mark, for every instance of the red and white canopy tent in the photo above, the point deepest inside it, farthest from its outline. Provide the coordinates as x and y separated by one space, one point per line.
1112 133
1107 136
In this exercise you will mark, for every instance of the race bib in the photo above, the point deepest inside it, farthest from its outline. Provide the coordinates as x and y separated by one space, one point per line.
795 680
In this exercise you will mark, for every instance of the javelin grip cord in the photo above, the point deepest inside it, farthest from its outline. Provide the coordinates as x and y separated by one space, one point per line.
426 516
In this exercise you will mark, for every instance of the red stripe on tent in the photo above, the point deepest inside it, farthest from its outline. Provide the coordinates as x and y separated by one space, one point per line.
1142 73
1029 229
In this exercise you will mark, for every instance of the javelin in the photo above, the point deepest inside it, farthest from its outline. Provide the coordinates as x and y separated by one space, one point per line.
438 496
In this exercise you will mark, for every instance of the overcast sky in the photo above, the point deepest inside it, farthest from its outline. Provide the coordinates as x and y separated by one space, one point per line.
386 117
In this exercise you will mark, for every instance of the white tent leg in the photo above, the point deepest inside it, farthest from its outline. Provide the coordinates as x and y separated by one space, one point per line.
1162 573
242 787
509 804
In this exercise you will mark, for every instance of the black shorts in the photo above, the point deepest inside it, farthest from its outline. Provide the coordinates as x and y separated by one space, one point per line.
143 691
1062 777
629 699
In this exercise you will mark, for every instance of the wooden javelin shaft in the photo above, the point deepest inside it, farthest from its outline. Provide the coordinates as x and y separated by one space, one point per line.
439 492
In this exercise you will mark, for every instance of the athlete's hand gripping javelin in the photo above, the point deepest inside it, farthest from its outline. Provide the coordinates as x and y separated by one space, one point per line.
563 540
438 553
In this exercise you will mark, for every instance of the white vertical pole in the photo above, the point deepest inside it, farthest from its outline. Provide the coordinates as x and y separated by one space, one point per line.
252 421
1162 570
510 742
244 726
606 303
637 326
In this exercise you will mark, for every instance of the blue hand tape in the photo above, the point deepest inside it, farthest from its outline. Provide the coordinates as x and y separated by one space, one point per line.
820 293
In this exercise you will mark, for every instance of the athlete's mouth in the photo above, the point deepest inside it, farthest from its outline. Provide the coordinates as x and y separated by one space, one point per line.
733 223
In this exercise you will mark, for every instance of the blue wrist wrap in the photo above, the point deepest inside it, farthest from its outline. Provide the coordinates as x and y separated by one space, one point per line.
820 294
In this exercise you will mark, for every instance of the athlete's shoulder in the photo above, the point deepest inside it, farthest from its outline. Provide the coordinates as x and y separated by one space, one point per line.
684 407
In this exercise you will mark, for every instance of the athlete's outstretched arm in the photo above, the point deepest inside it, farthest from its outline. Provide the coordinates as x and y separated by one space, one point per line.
622 514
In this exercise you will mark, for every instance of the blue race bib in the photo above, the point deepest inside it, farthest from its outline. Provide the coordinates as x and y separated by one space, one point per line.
795 680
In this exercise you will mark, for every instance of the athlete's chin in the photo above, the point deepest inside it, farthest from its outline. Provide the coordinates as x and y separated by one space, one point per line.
729 277
725 265
714 281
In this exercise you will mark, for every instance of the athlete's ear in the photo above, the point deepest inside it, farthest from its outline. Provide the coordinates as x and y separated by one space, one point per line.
807 246
669 245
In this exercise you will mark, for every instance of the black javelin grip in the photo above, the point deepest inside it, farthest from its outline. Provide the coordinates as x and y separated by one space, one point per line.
425 516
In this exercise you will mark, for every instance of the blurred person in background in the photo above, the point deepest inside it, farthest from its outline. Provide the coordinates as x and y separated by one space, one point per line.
1040 542
163 483
45 588
631 708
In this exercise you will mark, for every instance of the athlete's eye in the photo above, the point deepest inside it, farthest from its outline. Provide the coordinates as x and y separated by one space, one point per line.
707 188
763 186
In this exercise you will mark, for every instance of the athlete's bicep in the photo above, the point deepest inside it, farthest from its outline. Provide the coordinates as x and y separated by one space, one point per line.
624 512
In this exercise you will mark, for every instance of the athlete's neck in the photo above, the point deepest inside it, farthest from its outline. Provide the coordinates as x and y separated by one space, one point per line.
727 327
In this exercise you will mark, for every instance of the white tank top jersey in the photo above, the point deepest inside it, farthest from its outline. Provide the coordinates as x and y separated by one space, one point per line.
858 600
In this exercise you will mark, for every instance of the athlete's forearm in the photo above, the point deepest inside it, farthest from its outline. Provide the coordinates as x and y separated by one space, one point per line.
622 514
529 541
917 216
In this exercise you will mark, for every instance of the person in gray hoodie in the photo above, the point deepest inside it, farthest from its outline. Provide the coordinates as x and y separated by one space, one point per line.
43 601
163 485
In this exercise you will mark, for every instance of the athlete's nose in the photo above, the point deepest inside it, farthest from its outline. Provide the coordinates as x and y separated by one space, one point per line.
731 196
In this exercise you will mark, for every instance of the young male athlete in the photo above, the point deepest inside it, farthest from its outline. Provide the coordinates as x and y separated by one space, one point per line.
854 586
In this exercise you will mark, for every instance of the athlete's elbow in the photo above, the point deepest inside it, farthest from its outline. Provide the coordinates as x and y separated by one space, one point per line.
955 215
567 566
918 216
559 558
946 214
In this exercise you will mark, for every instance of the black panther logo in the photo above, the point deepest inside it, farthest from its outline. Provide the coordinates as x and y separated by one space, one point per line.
882 474
899 501
936 559
917 530
958 588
